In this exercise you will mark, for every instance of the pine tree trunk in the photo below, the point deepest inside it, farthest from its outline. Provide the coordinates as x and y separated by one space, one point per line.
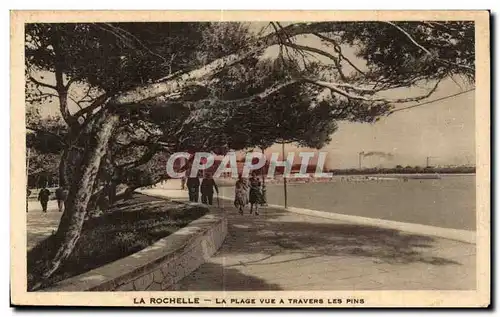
63 180
64 168
80 192
70 156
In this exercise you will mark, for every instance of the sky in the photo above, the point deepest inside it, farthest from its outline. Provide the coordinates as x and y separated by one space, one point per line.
443 132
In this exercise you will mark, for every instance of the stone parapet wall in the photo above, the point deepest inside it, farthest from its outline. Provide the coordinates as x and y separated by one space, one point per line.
159 266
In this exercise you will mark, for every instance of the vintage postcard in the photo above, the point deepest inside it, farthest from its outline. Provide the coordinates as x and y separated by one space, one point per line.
250 158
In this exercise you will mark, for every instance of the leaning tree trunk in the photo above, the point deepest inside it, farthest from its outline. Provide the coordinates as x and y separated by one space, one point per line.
67 164
80 192
73 151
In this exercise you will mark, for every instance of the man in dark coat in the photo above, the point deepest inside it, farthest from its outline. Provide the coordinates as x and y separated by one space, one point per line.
43 197
61 195
193 185
207 189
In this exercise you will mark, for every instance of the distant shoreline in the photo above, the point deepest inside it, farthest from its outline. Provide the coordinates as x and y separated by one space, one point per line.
406 170
224 182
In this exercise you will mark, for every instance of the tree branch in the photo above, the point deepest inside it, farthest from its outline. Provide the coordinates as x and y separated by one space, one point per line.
408 36
71 81
319 52
87 94
146 157
136 143
42 84
62 90
338 49
99 101
210 101
335 88
426 50
176 83
143 126
118 29
347 90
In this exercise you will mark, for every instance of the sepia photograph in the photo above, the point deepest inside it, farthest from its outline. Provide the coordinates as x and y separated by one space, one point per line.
298 159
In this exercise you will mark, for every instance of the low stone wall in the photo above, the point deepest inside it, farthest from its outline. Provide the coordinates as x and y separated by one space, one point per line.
159 266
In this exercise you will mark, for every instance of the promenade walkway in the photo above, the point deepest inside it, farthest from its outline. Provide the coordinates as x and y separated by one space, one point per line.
40 225
282 250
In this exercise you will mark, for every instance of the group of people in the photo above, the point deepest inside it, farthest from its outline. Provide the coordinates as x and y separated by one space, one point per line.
206 187
251 191
44 197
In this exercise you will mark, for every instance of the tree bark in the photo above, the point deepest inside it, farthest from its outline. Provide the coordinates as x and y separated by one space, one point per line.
70 160
63 177
80 192
73 151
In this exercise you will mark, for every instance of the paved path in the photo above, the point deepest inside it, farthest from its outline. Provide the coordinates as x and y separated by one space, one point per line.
280 250
40 224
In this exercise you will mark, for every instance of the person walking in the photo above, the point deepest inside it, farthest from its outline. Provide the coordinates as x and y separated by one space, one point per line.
43 197
240 194
207 189
193 185
183 183
255 193
61 195
28 193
